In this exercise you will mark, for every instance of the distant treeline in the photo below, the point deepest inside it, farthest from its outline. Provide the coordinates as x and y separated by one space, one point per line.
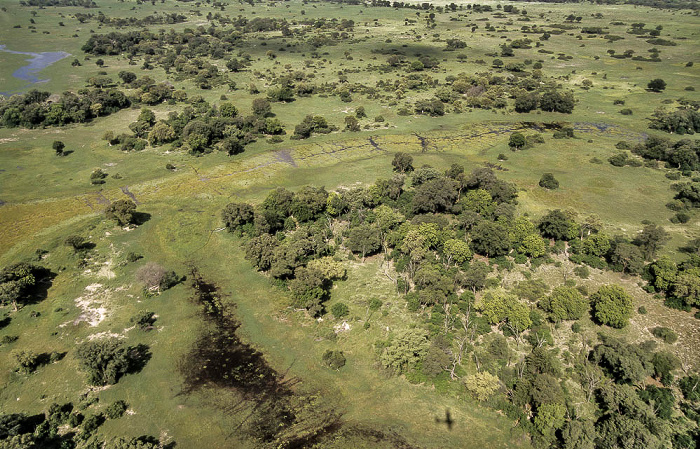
153 19
670 4
83 3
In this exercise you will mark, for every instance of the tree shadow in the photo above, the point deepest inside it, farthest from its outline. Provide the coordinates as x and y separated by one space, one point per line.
139 218
47 358
67 153
40 290
139 356
5 322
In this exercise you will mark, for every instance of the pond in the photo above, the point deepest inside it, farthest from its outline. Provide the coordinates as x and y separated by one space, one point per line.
36 63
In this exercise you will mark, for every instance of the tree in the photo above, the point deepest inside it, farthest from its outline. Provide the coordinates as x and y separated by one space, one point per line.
555 224
237 215
15 283
76 242
474 276
517 141
549 182
105 360
405 350
160 134
364 239
456 251
596 245
482 385
261 107
334 359
436 195
549 418
490 239
498 307
122 211
656 85
687 286
627 257
555 101
260 251
153 275
58 147
612 306
526 102
664 272
309 289
27 361
127 77
352 124
564 303
403 163
340 310
578 434
651 239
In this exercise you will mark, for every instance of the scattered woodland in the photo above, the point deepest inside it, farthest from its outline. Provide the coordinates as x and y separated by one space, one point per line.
326 224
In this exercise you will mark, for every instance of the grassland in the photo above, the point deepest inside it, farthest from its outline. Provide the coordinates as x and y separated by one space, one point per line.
45 198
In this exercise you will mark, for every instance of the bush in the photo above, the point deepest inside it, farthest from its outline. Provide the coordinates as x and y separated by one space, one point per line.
642 310
582 272
612 306
116 409
104 360
154 276
143 319
334 359
626 111
666 334
27 361
339 310
549 182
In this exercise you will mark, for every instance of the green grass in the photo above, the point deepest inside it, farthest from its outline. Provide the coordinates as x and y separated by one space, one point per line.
47 198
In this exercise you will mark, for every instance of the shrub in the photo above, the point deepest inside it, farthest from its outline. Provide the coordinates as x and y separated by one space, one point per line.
27 361
666 334
334 359
339 310
116 409
612 306
143 319
154 276
104 360
549 182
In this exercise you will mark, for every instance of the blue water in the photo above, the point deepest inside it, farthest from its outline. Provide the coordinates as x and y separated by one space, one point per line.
36 63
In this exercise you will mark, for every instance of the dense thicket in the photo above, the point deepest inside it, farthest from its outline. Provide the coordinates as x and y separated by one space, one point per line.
445 235
35 109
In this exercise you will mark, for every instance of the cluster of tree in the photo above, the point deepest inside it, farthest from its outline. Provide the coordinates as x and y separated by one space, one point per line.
430 231
312 124
153 19
105 361
550 101
44 3
680 281
201 128
19 430
683 154
36 109
685 120
661 4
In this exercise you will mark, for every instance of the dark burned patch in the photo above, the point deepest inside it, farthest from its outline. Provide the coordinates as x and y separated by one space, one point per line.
273 414
356 435
220 359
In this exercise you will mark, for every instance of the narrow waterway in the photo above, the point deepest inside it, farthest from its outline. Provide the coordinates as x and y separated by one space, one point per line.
36 62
